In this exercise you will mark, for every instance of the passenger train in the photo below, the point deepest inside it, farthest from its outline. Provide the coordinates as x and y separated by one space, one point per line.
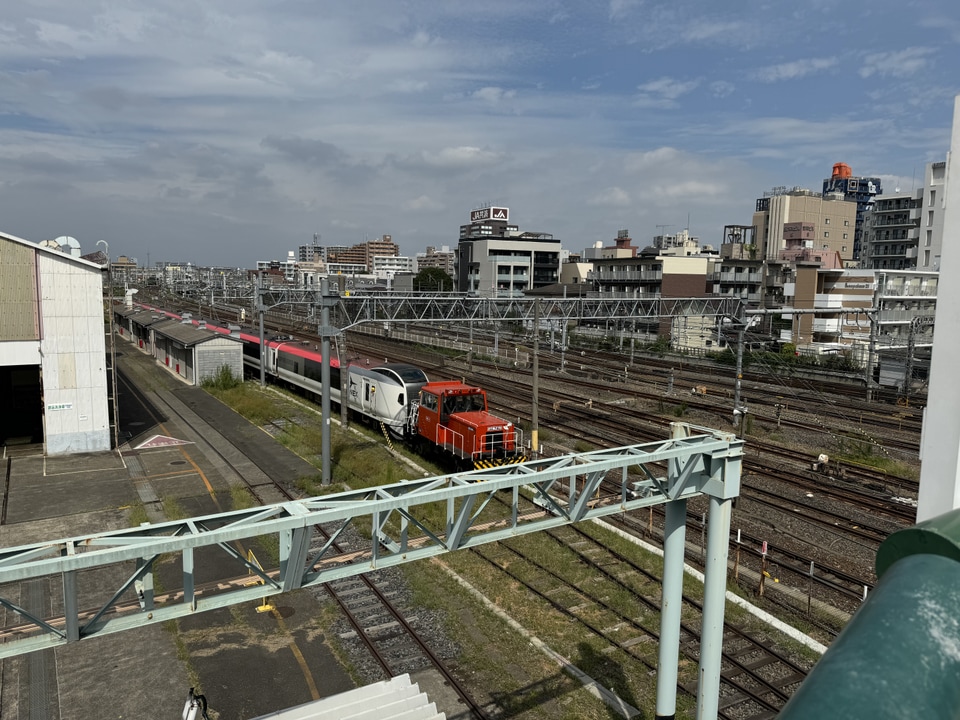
447 418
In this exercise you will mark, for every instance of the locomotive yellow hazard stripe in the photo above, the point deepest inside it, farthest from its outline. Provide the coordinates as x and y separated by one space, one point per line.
498 462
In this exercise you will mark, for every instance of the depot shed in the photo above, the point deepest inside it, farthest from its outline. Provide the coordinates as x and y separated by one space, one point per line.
53 362
133 324
195 353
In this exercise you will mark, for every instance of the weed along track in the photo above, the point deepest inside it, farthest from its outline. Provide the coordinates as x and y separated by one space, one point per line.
614 601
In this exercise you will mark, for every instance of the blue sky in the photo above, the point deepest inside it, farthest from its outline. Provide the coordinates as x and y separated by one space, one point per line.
226 132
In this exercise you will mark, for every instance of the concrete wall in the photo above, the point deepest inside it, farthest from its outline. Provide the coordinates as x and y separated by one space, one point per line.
73 356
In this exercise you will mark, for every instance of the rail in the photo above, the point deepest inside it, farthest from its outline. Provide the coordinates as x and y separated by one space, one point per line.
898 656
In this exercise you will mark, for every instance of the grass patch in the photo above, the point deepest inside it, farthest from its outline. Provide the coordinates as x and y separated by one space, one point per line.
223 380
137 515
328 615
241 498
173 509
249 399
527 683
183 654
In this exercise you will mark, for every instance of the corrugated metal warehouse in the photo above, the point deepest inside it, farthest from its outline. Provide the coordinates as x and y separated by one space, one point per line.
53 364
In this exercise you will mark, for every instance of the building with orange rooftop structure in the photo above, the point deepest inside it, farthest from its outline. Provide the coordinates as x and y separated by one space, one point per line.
861 190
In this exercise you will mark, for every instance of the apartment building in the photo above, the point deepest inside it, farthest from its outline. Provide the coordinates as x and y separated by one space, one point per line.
904 230
442 258
833 217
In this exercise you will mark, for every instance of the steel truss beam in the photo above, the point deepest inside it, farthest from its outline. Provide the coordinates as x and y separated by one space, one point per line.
405 521
354 310
463 309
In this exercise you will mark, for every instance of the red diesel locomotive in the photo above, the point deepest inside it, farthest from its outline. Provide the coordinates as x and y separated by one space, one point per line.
453 419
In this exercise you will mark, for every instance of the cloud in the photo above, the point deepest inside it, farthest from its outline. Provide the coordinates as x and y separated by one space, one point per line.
316 153
464 157
663 93
723 31
493 95
942 23
619 9
424 202
232 131
408 85
900 64
673 191
641 162
610 197
794 70
722 88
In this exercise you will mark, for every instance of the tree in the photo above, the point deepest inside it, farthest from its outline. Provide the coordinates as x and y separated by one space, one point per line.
432 279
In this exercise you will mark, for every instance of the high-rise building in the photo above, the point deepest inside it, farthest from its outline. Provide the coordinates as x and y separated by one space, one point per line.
904 230
861 190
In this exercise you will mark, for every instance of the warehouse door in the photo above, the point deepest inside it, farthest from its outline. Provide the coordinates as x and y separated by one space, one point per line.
21 422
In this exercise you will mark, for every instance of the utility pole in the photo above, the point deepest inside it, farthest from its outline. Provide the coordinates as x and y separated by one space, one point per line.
263 344
916 325
874 316
326 332
740 410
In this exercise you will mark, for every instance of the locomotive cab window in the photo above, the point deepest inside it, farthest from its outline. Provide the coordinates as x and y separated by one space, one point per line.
428 401
449 405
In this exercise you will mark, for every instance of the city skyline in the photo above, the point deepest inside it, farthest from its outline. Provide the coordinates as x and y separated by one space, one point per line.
231 133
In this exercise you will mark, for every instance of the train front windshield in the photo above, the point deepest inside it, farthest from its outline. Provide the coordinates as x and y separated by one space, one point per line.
409 374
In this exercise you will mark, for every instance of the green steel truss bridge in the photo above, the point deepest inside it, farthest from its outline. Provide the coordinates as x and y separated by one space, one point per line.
396 518
406 521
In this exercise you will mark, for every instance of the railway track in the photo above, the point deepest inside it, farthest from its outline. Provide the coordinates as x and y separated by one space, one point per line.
829 509
384 629
756 678
607 424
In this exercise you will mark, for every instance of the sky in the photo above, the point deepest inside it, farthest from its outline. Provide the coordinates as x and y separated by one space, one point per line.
224 132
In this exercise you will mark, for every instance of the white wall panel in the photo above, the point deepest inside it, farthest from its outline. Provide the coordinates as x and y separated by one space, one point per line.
20 352
74 350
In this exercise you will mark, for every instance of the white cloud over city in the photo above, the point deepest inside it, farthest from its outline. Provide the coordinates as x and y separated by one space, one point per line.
226 132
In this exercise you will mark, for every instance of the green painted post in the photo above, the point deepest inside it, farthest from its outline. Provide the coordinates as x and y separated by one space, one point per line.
899 656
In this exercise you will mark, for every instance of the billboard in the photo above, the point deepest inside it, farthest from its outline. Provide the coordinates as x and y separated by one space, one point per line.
489 213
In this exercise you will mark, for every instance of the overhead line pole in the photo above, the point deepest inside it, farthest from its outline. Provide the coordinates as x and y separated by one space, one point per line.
325 332
263 346
535 415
